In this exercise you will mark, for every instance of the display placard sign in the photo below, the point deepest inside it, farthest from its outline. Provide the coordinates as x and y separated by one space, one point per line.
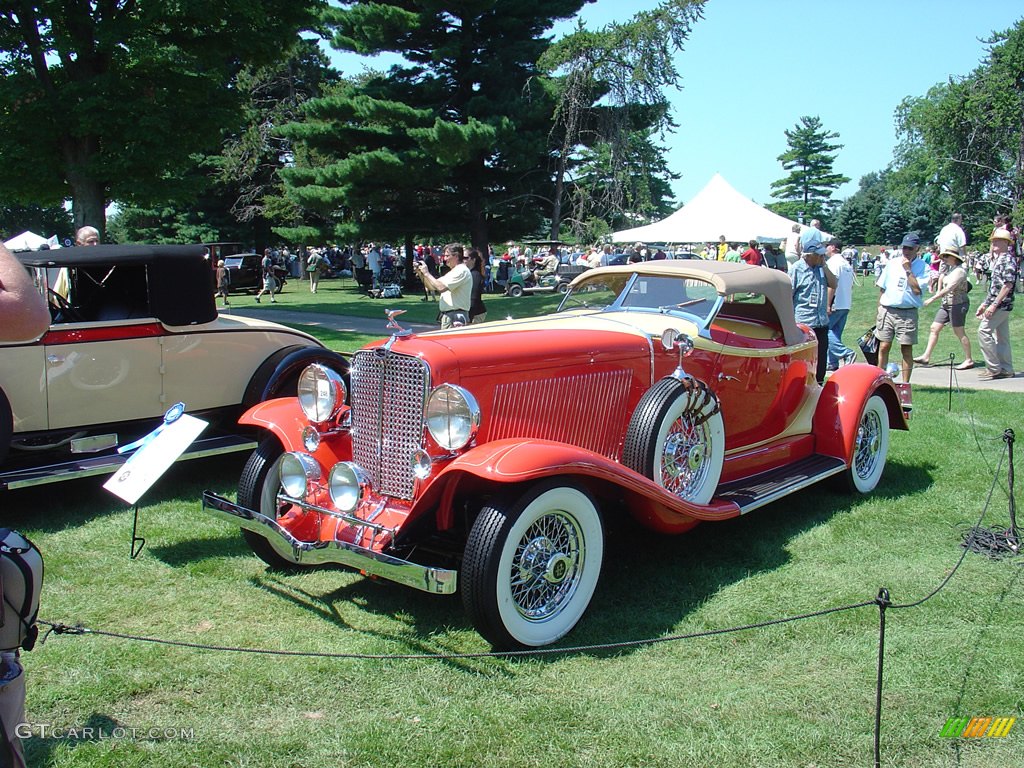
158 451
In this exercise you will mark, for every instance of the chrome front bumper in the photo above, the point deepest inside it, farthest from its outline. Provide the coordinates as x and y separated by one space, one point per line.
438 581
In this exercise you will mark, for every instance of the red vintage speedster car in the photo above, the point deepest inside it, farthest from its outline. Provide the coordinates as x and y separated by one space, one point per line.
487 458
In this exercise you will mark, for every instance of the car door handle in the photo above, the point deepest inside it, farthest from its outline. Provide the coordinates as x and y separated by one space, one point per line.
55 359
727 377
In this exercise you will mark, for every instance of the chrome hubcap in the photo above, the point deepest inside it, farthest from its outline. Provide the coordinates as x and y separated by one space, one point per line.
684 458
547 566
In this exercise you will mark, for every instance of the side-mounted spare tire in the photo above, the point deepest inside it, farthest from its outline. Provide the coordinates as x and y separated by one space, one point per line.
676 438
278 375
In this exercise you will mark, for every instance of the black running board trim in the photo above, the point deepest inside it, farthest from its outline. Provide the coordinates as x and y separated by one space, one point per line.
99 465
757 491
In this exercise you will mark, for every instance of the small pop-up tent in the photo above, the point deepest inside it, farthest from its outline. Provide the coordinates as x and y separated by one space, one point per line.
26 241
30 241
716 210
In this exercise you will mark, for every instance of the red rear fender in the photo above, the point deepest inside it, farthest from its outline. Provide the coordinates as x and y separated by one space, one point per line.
841 405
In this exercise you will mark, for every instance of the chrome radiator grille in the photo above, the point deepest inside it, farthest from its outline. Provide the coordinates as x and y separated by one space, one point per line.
387 397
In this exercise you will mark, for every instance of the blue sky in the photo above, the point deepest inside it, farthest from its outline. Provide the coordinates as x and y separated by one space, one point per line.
752 68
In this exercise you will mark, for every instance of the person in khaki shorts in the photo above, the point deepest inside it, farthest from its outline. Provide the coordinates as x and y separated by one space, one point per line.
900 284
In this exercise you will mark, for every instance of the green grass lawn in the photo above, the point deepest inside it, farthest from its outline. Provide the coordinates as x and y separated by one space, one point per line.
342 297
799 694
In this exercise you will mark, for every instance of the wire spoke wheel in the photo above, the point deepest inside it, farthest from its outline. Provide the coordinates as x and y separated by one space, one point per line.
686 456
547 566
676 437
531 567
871 447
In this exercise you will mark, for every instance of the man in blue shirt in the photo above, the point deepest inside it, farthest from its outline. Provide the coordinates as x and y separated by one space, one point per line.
900 284
811 280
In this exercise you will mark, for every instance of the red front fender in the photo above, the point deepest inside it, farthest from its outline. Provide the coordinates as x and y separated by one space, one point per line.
520 460
841 405
285 420
282 416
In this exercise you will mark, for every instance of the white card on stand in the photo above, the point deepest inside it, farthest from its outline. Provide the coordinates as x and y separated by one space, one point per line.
152 459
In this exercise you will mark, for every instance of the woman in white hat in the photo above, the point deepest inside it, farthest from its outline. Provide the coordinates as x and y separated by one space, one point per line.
952 291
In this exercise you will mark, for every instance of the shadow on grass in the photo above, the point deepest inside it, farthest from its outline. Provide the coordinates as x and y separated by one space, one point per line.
192 550
50 508
53 749
649 582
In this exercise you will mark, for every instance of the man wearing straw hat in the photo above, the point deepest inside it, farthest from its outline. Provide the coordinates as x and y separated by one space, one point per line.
994 331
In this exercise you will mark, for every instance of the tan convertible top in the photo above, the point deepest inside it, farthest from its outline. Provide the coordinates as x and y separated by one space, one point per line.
727 277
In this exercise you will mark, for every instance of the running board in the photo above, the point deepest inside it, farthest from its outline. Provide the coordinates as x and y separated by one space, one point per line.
753 492
101 465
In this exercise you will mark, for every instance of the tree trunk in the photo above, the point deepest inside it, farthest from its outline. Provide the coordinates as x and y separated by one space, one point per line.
556 208
477 218
88 194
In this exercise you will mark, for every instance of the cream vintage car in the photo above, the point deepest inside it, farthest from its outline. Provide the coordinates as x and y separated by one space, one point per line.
134 331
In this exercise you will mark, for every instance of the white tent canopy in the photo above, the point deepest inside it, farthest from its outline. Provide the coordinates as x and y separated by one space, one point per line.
716 210
30 241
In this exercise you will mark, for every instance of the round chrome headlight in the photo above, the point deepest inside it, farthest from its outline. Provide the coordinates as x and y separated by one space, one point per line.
347 484
453 416
297 471
321 392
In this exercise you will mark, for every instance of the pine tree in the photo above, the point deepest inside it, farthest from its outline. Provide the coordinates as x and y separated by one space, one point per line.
455 140
811 181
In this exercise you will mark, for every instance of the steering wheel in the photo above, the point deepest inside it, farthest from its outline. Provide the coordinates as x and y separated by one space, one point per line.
67 314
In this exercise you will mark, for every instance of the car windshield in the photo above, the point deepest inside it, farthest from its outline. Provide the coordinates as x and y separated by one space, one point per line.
595 292
658 293
233 261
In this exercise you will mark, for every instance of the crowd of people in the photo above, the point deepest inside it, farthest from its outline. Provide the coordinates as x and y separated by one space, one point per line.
822 285
822 273
908 276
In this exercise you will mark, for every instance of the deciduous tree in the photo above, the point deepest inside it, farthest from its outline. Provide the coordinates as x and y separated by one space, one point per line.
971 132
109 100
610 86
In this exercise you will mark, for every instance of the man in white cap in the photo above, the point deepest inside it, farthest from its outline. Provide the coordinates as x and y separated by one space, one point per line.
900 283
994 331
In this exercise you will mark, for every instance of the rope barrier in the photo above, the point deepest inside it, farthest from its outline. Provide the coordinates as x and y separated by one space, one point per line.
58 628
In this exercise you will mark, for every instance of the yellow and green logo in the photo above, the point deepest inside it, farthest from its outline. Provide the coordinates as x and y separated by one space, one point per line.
977 727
